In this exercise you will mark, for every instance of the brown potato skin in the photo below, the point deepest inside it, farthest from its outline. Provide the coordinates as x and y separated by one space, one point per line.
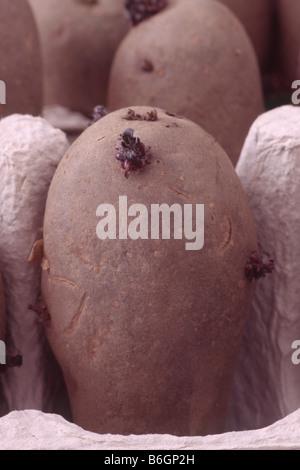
21 62
146 332
208 73
2 311
258 17
78 41
289 14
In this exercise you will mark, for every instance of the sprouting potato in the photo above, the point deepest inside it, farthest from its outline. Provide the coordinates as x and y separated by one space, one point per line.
193 58
144 319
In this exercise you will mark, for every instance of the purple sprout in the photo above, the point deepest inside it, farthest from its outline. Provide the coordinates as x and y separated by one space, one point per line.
98 113
255 267
140 10
132 153
133 116
41 311
151 116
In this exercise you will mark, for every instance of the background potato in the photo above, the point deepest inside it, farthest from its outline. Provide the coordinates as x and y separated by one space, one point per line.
146 332
195 59
78 38
258 17
20 64
289 21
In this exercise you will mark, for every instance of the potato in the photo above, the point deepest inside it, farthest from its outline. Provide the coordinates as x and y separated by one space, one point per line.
21 63
79 39
258 17
146 326
289 21
209 73
2 312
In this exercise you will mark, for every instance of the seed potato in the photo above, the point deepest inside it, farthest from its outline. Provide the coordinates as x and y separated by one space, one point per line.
79 39
21 62
193 58
146 331
289 14
258 17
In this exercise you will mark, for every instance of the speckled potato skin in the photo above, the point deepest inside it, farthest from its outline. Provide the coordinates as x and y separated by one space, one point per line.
204 68
79 39
21 61
289 14
2 311
146 332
